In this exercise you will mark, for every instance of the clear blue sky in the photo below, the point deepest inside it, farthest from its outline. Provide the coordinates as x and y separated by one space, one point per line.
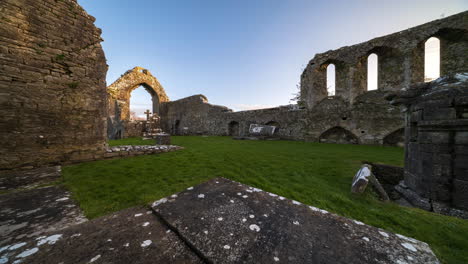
244 53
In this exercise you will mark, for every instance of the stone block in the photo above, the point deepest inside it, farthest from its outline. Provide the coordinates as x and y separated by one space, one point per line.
416 116
434 137
460 194
228 222
461 149
461 137
163 139
439 114
461 174
435 148
461 162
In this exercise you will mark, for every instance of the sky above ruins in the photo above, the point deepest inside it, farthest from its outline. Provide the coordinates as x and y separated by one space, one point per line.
243 54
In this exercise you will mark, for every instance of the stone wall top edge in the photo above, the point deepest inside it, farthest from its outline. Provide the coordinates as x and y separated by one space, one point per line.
322 57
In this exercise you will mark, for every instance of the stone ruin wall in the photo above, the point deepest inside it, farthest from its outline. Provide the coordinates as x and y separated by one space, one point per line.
400 57
436 171
195 116
354 115
52 83
119 92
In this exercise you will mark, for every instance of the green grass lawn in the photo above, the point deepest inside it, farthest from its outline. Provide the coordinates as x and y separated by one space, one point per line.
312 173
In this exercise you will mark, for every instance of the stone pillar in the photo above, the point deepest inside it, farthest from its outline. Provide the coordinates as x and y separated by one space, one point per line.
436 158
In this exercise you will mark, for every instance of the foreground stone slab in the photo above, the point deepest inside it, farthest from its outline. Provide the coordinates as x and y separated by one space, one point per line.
28 214
133 235
228 222
28 179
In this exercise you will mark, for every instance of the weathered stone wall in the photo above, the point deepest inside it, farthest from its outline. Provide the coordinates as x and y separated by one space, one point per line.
52 84
354 115
191 116
369 120
119 99
400 60
436 156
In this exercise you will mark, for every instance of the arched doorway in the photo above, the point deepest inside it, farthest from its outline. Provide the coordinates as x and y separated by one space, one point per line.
396 138
176 128
338 135
233 128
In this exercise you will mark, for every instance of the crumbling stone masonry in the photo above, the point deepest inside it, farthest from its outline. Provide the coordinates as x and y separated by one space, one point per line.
436 157
353 115
52 84
119 101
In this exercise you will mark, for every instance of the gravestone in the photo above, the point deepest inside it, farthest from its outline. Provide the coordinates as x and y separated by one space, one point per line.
361 179
261 130
163 139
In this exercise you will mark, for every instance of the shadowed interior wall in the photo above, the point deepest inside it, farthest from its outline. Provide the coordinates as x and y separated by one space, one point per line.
52 84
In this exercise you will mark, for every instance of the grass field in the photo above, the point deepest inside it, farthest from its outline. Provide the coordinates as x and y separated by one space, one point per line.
312 173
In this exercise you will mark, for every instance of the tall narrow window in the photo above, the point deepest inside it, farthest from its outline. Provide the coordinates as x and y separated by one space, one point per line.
431 59
331 79
372 72
140 102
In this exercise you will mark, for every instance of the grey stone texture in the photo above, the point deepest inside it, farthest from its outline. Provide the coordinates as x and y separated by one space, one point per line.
436 146
163 139
52 83
28 214
401 60
135 150
119 94
29 178
133 235
229 222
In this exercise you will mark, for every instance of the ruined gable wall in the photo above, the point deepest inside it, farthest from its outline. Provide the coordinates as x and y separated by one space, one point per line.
121 89
195 116
52 83
190 116
401 60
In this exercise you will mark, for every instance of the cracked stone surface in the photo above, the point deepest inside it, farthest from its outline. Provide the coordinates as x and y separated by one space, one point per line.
133 235
28 179
28 214
228 222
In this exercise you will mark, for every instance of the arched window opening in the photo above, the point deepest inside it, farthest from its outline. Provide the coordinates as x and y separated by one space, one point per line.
233 128
331 79
372 72
140 102
431 59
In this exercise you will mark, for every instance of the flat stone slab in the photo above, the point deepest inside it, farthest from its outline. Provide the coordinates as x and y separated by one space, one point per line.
133 235
228 222
31 213
28 179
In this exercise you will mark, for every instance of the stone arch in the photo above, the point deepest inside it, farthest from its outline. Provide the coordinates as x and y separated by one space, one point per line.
453 42
275 124
338 135
396 138
340 72
233 128
121 89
